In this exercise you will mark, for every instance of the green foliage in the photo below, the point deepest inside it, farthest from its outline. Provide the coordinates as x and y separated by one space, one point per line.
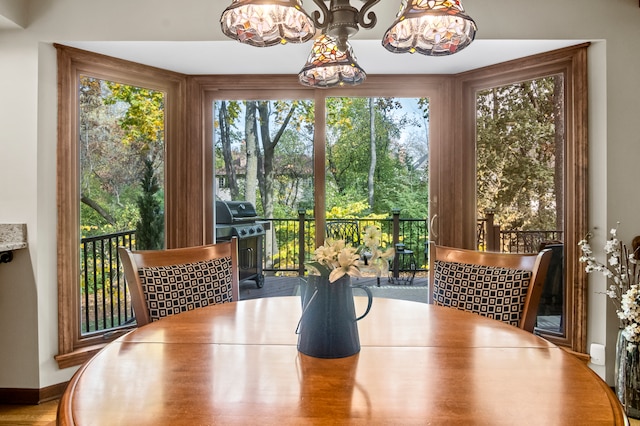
143 121
400 180
120 126
516 154
397 183
348 210
150 228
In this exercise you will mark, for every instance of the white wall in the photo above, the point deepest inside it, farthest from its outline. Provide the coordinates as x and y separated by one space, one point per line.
13 13
28 298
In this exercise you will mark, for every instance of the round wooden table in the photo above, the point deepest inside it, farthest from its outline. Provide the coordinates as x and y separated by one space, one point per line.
237 363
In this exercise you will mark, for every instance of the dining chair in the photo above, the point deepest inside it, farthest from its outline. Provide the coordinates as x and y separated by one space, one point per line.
503 286
168 282
347 230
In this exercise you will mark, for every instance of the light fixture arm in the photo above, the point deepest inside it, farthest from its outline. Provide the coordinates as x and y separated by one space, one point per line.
317 15
370 16
428 27
341 20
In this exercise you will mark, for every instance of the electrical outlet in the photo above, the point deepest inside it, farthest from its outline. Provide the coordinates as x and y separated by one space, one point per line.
597 354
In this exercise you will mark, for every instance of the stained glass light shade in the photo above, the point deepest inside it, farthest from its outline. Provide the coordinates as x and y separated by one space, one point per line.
328 66
265 23
430 27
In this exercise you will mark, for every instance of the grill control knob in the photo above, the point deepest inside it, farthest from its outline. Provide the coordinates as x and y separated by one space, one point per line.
252 231
259 229
243 232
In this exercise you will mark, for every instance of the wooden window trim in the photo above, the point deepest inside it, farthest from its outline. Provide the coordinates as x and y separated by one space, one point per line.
572 63
74 349
189 156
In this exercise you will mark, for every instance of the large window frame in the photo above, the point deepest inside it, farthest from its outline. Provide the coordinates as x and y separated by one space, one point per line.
571 63
212 88
73 347
189 156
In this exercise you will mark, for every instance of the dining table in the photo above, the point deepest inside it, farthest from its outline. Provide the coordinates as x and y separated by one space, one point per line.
238 363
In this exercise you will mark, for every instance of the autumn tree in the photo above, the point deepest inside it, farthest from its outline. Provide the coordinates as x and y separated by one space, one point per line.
106 163
228 112
120 127
518 152
367 160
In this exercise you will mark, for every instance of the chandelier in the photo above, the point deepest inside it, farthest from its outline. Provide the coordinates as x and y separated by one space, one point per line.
428 27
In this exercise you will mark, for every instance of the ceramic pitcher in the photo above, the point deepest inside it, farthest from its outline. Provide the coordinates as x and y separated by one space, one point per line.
328 325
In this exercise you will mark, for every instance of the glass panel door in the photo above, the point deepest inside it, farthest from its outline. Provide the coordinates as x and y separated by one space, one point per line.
377 174
264 162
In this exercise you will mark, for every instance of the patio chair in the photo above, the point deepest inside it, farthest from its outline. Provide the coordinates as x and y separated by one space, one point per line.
552 299
503 286
168 282
347 230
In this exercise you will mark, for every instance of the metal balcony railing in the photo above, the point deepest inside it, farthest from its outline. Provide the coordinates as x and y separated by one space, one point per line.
105 302
104 297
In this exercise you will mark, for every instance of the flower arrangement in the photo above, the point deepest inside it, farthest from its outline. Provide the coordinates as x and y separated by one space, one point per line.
335 258
379 259
621 270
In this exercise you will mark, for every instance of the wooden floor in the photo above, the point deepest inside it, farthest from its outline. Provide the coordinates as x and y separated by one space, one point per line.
36 415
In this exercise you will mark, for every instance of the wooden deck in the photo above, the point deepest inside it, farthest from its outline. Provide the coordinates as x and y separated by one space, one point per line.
287 286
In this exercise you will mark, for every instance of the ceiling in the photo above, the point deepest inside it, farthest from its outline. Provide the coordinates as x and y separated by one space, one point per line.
231 57
223 56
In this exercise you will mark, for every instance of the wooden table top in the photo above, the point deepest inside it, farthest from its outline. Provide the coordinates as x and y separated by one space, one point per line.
237 363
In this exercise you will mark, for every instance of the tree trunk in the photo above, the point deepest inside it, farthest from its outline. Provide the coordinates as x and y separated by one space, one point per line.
251 139
268 149
225 139
98 208
559 144
372 145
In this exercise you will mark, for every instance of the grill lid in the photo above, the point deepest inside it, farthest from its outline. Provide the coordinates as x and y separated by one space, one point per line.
234 211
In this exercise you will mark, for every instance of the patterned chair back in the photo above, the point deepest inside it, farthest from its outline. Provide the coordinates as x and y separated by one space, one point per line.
503 286
347 230
168 282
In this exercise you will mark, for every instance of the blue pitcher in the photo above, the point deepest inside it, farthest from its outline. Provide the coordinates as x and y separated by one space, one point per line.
327 327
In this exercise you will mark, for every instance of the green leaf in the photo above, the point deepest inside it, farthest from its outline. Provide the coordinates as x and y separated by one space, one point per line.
320 268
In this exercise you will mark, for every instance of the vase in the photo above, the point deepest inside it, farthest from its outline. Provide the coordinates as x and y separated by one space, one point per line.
328 324
627 377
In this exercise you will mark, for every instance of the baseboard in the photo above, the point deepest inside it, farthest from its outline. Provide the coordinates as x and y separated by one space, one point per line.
31 396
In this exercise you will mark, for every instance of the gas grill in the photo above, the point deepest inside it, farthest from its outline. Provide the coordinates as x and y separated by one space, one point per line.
239 219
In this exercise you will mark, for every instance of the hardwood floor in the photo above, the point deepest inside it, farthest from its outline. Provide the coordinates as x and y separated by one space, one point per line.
34 415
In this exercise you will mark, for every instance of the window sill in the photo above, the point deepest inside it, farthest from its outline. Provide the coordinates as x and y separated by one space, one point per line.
79 356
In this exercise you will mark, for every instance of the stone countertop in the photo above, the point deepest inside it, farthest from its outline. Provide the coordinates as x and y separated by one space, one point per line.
13 236
12 246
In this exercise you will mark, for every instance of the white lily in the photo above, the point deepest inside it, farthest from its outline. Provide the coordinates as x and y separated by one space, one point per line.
347 264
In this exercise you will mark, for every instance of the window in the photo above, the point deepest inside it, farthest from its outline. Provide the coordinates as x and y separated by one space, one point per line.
95 168
561 77
121 139
189 161
396 107
376 153
520 142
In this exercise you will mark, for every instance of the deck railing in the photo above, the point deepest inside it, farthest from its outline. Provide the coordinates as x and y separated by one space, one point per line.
105 302
491 237
104 297
292 241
